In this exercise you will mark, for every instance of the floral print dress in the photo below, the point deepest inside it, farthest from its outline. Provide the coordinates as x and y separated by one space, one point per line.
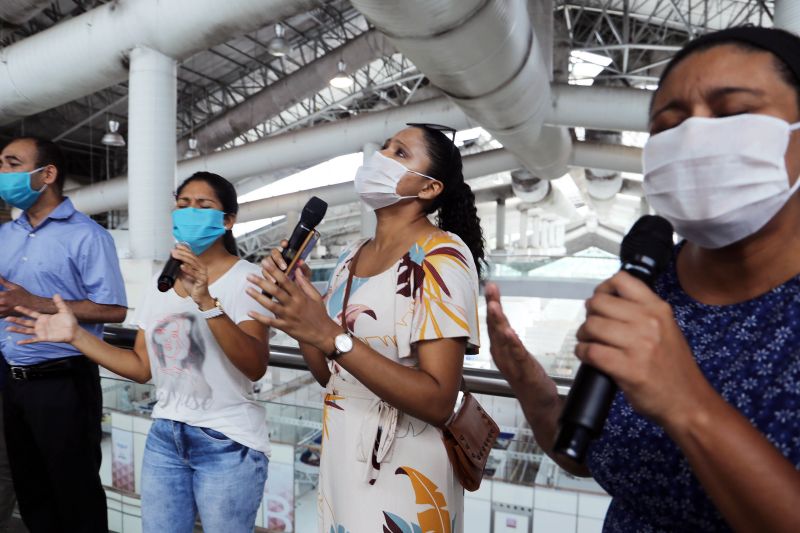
381 469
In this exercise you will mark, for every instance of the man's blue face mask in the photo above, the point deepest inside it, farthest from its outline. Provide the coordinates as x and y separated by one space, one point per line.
199 228
15 188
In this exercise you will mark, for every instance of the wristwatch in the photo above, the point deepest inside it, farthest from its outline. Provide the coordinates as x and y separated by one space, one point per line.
214 311
342 343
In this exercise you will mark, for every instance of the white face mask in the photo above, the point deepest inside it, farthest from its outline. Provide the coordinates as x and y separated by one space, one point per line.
719 180
376 181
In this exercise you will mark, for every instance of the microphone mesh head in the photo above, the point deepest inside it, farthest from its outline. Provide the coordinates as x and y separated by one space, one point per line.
650 236
313 212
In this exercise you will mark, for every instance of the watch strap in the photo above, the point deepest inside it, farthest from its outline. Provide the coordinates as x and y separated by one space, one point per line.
214 311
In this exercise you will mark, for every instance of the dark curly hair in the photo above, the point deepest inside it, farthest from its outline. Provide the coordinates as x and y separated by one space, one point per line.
226 194
456 204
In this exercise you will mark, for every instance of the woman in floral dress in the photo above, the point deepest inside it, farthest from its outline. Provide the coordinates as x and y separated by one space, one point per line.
411 315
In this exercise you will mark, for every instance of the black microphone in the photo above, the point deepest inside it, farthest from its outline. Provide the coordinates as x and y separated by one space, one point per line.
304 232
169 274
304 235
645 252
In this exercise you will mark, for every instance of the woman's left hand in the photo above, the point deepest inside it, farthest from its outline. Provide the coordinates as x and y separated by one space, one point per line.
631 335
297 305
194 275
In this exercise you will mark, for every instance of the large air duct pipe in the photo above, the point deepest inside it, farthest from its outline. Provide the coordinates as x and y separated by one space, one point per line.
603 184
289 149
787 15
501 80
475 166
347 136
87 53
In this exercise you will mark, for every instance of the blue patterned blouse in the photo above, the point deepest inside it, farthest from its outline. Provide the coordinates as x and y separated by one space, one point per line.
750 353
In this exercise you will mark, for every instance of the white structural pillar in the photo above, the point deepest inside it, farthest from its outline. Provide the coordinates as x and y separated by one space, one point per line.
787 15
523 228
368 220
152 108
500 225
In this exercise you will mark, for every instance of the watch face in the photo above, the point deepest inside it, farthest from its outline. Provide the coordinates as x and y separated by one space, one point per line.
343 343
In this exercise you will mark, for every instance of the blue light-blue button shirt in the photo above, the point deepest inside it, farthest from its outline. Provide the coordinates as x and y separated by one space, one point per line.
67 254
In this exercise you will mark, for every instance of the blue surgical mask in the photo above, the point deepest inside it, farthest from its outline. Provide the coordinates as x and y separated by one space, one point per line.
15 189
199 228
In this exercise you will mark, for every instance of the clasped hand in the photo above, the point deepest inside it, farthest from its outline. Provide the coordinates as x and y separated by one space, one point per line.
297 305
631 335
193 276
12 295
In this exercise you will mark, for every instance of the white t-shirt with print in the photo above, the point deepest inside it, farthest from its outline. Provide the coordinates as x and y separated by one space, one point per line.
195 381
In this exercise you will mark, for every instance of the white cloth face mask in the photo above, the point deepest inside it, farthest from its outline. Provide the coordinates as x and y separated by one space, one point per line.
719 180
376 181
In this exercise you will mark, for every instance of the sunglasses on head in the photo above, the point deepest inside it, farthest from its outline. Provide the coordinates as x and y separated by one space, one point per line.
447 130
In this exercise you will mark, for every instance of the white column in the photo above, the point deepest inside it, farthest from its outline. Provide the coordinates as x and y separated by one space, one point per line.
500 225
523 228
152 108
787 15
368 220
535 221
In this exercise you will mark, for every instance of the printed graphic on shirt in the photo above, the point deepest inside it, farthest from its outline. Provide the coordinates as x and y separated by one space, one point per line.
180 352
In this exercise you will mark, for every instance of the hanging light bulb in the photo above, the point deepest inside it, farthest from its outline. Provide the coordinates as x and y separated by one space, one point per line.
192 151
112 136
342 80
278 45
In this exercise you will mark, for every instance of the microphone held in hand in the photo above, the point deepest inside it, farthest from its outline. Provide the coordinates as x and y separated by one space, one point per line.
304 236
303 233
645 252
170 273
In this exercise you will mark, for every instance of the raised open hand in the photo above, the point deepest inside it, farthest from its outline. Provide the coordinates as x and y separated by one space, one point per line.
60 327
509 354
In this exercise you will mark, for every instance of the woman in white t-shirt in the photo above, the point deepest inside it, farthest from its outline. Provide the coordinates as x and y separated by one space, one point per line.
207 449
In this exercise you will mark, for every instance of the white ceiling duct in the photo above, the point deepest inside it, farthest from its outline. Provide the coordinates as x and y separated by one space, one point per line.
603 184
281 151
18 12
484 55
90 52
529 188
787 15
347 136
475 166
600 108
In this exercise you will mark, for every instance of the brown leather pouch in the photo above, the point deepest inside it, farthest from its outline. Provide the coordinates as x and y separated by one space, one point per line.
468 438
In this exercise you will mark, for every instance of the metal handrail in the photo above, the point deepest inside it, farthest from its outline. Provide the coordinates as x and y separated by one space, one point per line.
478 380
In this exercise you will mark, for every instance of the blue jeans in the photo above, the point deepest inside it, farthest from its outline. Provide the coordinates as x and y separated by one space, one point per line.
187 469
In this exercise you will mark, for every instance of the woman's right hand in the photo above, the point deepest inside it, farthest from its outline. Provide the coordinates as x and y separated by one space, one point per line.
60 327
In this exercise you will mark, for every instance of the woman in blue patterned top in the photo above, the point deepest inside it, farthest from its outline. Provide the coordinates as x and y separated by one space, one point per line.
705 433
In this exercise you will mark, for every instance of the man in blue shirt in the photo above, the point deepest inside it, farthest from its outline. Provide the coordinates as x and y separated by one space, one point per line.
53 400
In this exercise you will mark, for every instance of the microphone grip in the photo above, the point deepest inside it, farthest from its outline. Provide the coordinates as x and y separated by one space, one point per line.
585 413
288 254
169 274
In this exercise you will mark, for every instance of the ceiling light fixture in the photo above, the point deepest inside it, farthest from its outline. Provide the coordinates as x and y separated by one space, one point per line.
342 80
112 136
278 45
192 151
